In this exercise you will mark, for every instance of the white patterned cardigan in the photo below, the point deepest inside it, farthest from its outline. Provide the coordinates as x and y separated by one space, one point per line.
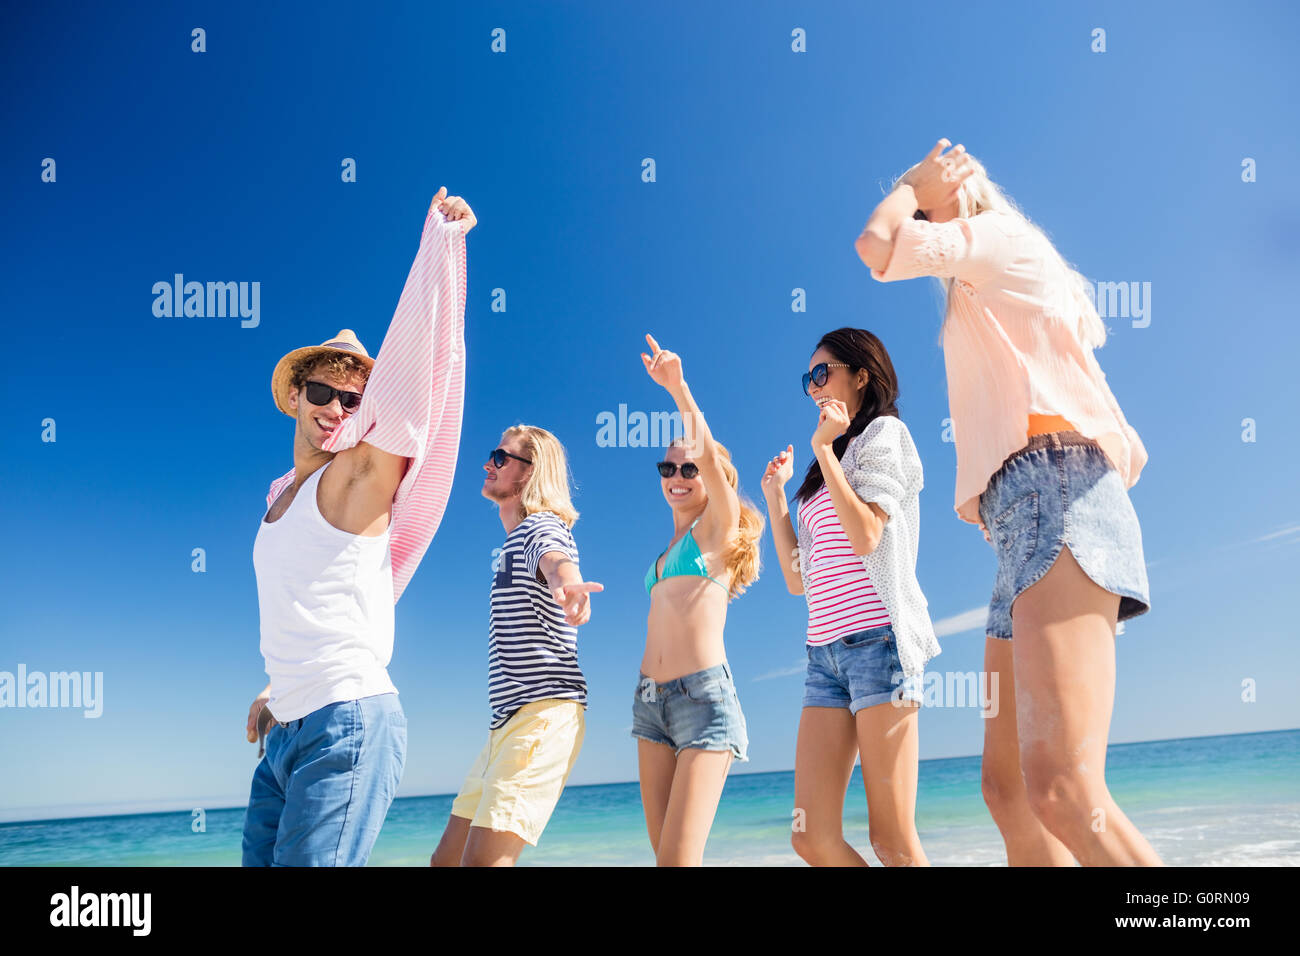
882 466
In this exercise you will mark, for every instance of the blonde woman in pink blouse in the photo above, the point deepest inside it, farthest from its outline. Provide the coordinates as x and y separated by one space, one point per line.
1044 461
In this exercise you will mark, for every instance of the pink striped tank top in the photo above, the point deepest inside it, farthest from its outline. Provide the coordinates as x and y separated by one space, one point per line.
841 597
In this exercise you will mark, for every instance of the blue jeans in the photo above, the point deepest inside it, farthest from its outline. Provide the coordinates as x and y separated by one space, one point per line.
1061 489
700 710
856 671
323 789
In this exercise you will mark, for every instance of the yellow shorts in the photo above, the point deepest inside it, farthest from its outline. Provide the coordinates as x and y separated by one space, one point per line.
517 779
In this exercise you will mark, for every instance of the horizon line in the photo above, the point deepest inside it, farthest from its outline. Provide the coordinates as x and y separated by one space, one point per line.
609 783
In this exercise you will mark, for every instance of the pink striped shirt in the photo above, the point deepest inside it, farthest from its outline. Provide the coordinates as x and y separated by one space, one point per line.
415 394
841 598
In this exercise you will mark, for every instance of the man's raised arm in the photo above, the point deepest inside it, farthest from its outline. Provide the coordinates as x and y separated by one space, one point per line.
417 386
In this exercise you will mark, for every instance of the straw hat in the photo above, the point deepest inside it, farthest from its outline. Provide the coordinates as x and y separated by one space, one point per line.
345 342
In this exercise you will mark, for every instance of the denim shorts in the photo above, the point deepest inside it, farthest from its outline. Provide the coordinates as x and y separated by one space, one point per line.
700 710
1061 489
321 792
857 670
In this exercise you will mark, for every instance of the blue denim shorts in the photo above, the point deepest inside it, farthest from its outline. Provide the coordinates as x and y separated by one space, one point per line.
1061 489
700 710
320 795
858 670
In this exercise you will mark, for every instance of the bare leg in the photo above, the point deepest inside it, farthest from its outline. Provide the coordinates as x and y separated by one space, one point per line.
492 847
452 845
1064 650
1028 842
692 805
889 741
657 762
823 763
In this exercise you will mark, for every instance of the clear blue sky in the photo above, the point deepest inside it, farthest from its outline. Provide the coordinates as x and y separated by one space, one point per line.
225 166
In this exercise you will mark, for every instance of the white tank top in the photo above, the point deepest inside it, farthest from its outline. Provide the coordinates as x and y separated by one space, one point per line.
325 599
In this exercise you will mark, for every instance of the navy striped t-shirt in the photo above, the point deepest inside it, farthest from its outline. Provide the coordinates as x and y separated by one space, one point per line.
532 652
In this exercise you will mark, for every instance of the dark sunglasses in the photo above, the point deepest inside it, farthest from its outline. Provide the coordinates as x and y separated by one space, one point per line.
820 373
667 469
318 393
499 456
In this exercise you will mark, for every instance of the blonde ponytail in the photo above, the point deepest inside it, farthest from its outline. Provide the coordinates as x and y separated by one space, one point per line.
742 558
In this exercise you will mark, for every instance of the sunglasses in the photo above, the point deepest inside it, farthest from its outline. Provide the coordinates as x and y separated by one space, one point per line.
318 393
820 373
499 456
668 468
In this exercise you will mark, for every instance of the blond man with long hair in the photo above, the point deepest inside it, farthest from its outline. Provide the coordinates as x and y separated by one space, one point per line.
686 714
537 690
1044 461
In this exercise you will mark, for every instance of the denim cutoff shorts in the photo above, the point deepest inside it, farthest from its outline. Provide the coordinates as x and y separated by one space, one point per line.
700 710
1061 489
856 671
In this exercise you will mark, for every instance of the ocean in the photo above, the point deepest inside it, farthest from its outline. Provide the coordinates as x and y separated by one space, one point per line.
1204 801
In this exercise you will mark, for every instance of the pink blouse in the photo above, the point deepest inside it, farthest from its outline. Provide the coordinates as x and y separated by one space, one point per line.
1011 345
415 394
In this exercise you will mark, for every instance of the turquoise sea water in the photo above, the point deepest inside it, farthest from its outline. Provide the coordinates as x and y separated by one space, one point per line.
1231 800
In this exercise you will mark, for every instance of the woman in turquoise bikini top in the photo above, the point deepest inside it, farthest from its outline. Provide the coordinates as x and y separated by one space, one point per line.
684 558
684 633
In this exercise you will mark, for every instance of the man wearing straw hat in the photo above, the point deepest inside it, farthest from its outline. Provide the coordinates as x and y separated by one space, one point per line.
374 449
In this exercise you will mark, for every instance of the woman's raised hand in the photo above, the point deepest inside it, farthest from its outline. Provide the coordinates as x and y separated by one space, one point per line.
832 422
938 177
664 367
778 471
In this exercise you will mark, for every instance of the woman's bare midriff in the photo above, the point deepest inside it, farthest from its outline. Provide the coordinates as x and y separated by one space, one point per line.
688 615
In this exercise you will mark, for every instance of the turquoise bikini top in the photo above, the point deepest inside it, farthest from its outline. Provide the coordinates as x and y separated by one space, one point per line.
684 558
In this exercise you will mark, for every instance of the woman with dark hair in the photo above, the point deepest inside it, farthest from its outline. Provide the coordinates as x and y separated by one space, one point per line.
869 632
